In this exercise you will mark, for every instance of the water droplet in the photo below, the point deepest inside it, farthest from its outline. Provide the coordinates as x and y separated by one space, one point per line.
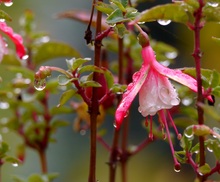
39 84
25 57
213 4
82 132
8 4
141 22
177 168
209 148
164 22
171 55
2 20
4 105
15 164
187 101
115 125
189 132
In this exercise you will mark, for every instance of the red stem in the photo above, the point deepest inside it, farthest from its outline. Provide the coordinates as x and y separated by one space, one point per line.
197 57
94 107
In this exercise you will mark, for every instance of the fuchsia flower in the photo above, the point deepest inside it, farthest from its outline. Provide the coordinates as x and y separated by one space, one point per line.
17 40
156 93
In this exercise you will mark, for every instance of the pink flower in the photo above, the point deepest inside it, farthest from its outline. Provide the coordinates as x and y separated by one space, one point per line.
156 93
152 83
17 40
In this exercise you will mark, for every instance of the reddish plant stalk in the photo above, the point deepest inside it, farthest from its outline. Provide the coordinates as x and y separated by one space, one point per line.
94 106
43 161
197 58
114 150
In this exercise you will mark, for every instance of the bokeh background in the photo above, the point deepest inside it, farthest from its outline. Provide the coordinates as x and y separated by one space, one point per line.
69 156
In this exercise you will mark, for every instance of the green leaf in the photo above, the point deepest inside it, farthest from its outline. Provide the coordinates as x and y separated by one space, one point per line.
90 83
115 17
59 123
63 80
121 30
118 89
90 68
120 4
17 179
73 63
61 110
66 96
211 14
108 77
103 7
174 12
5 16
205 169
210 78
35 178
51 50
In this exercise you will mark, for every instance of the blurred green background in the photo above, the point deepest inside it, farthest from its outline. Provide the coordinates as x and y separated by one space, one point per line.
70 155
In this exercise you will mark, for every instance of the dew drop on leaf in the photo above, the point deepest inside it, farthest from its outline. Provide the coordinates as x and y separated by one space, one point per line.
213 4
164 22
39 84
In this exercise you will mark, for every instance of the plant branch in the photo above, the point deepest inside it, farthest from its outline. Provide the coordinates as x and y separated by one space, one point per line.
94 106
197 57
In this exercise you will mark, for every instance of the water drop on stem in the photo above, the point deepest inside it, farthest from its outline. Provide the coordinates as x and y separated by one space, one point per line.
177 168
8 4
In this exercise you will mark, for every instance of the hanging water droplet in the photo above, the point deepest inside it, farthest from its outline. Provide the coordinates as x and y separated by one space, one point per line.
82 132
4 105
25 57
15 164
187 101
209 148
177 168
171 55
189 132
213 4
164 22
39 84
115 125
8 4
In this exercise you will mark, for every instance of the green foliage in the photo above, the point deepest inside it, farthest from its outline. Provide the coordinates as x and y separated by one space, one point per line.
174 12
5 16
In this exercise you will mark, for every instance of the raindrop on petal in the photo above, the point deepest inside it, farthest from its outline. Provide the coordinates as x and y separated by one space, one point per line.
39 84
164 22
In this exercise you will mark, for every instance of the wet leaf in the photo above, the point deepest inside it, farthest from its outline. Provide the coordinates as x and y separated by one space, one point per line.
115 17
90 83
51 50
73 63
66 96
174 12
211 14
121 30
5 16
205 169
